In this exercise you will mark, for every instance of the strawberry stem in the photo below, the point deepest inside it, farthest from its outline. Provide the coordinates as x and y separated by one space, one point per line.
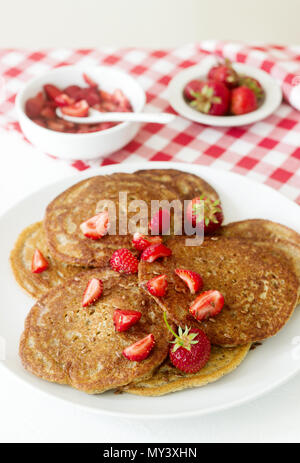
168 326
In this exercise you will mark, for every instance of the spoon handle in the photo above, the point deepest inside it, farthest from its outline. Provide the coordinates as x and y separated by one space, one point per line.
97 117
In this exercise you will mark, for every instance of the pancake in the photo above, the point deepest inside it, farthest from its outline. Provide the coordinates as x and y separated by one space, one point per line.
36 284
260 291
168 379
187 186
68 344
276 238
261 230
80 202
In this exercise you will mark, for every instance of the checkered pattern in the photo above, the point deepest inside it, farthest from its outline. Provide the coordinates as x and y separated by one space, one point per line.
268 151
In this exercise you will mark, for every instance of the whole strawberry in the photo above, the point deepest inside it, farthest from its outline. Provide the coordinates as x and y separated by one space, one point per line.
213 214
192 87
224 73
254 85
243 101
191 349
212 98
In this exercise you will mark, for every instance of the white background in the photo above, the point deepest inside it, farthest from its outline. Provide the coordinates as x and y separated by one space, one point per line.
149 23
29 416
26 415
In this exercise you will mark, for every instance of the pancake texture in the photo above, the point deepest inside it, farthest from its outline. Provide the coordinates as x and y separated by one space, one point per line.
68 344
75 205
36 284
168 379
260 291
187 186
261 230
276 238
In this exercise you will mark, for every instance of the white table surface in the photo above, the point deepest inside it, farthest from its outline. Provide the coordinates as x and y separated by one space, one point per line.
28 416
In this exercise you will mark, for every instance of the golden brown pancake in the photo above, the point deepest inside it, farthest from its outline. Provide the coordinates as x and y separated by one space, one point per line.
187 186
168 379
68 344
67 211
278 239
260 291
36 284
261 230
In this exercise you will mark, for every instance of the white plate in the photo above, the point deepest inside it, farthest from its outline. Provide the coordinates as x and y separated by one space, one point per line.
175 95
263 369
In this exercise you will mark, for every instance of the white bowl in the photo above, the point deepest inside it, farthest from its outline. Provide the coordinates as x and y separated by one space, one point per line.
175 94
81 145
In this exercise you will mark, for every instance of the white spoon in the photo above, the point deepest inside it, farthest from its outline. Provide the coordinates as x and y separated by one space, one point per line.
96 116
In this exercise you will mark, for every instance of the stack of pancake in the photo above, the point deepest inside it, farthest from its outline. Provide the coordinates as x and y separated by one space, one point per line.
255 264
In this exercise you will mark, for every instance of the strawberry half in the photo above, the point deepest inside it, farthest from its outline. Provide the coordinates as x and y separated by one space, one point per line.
155 251
141 242
160 222
192 279
140 350
96 227
123 261
213 214
124 319
38 263
92 292
207 305
157 286
78 109
191 349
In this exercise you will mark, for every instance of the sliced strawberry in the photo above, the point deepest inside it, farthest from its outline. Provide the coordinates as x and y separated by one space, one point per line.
96 226
89 81
160 222
64 100
57 125
48 113
79 109
39 263
192 279
123 261
73 91
106 125
157 286
92 292
140 350
108 106
207 305
141 242
40 122
155 251
34 106
121 101
124 319
51 91
91 95
105 96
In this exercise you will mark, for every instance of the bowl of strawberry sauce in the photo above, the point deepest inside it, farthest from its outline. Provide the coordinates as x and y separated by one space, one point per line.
75 89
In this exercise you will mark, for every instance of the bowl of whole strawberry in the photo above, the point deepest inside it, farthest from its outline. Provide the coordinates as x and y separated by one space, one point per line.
224 94
74 90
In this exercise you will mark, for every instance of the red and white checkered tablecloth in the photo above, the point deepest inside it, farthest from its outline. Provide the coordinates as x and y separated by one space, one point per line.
268 151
